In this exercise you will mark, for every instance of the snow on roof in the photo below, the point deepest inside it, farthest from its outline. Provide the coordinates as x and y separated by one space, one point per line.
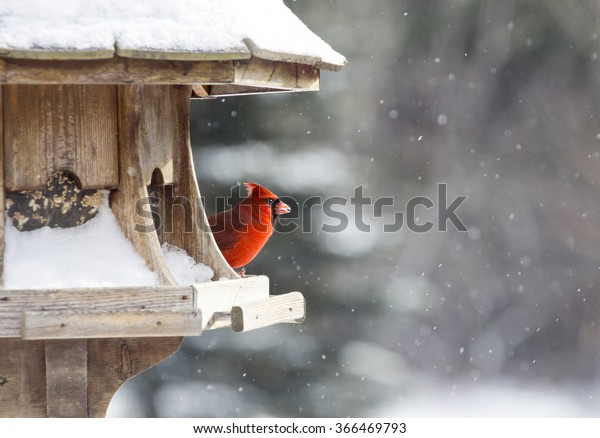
159 29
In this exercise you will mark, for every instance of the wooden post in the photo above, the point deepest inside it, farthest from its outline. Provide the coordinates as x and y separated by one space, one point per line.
66 378
198 241
23 364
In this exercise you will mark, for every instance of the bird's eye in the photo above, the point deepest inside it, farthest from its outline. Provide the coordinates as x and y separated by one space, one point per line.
270 201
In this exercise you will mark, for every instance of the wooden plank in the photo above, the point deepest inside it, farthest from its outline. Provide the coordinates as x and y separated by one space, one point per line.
65 127
115 70
257 72
158 132
22 363
215 91
259 76
66 378
290 308
308 77
110 298
13 302
182 55
201 92
243 90
69 324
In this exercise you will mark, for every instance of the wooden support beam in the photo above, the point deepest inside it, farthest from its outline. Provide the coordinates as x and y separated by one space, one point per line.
116 70
290 308
23 364
66 378
158 127
201 92
113 361
189 227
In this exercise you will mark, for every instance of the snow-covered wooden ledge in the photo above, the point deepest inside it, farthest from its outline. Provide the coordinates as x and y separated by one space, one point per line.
242 304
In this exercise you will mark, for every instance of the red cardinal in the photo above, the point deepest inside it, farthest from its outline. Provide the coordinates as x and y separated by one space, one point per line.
242 231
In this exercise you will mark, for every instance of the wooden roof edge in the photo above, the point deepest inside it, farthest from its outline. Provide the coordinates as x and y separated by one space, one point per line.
247 76
335 62
151 55
114 70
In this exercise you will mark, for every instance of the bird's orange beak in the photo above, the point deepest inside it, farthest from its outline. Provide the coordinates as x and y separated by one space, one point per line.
281 208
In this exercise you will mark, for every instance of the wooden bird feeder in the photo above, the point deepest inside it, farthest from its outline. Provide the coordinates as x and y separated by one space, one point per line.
103 103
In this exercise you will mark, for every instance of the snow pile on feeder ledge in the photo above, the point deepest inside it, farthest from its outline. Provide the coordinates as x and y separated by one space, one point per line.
95 254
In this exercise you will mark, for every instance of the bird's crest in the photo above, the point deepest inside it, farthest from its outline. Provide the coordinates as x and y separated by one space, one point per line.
258 191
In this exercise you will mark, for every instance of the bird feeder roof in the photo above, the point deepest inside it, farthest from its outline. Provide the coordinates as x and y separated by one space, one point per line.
175 30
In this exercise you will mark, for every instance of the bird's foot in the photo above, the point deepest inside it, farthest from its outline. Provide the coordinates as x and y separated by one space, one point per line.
242 272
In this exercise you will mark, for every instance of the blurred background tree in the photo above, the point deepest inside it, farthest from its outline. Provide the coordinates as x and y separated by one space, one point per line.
500 100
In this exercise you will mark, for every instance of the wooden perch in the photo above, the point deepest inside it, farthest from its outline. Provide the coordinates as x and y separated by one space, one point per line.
216 307
277 309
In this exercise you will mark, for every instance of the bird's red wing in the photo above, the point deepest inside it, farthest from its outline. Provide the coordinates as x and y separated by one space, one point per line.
224 227
226 240
242 231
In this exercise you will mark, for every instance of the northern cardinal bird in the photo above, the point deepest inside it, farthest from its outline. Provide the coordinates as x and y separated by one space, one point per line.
242 231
